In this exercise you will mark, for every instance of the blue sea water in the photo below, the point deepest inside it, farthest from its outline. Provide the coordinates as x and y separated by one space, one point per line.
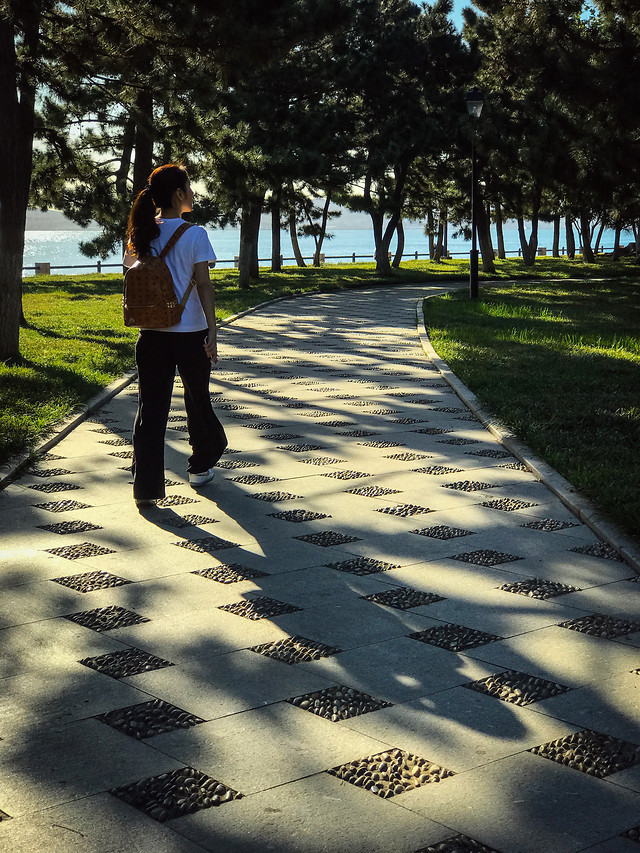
60 248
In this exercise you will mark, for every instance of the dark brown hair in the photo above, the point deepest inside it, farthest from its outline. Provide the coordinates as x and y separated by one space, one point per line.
142 227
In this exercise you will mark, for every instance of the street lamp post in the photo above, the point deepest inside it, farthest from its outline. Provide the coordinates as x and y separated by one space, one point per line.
474 101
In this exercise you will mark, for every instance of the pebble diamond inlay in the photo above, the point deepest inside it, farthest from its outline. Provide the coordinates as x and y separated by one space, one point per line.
403 598
262 425
454 638
206 544
176 500
282 436
517 687
486 557
346 475
298 515
437 470
293 650
404 510
321 460
50 488
409 457
515 466
338 703
457 844
441 531
373 491
599 549
327 538
597 625
232 464
252 479
125 663
175 794
538 588
358 433
106 618
300 448
550 524
593 753
78 552
274 497
149 718
64 527
432 431
62 506
123 454
229 573
190 521
508 504
362 566
467 486
49 472
381 443
90 581
260 607
458 441
336 423
390 773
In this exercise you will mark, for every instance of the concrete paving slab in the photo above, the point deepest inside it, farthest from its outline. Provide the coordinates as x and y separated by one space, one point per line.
610 706
460 729
560 655
57 695
266 747
528 804
72 762
398 670
217 686
318 814
97 824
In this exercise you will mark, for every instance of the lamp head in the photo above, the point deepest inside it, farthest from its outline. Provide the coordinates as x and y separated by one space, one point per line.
475 101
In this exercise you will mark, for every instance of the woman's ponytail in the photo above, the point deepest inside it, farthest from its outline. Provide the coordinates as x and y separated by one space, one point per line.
142 227
158 193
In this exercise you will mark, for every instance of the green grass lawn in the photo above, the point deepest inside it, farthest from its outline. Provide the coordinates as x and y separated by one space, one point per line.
560 364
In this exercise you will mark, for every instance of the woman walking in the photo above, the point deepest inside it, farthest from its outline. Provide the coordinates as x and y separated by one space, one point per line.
190 345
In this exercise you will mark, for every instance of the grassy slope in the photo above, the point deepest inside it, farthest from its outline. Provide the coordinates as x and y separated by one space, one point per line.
561 365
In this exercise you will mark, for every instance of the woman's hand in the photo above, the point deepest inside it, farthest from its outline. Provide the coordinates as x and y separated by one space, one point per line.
211 347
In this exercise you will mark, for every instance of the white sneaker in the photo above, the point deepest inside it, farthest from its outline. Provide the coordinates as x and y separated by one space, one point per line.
202 478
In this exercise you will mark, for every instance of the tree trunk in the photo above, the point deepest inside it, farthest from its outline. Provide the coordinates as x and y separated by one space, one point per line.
556 236
484 237
441 237
500 232
571 240
323 230
293 232
529 247
143 164
382 239
248 253
276 250
400 247
596 247
430 230
17 108
616 239
585 228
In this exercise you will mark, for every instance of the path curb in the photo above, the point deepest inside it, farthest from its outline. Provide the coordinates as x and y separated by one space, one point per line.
561 487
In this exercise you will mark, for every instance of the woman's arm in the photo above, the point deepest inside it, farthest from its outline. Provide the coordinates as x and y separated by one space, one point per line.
208 302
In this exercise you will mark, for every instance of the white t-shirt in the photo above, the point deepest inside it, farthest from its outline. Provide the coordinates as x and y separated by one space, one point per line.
192 248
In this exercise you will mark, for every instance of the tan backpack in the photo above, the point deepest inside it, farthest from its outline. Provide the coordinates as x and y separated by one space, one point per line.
150 299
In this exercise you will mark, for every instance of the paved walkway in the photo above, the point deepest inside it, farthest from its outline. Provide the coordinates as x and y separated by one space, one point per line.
373 633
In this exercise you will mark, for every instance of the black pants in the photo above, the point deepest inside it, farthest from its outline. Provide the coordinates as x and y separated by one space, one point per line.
157 356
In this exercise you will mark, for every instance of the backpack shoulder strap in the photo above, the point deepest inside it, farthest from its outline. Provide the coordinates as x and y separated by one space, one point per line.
174 238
